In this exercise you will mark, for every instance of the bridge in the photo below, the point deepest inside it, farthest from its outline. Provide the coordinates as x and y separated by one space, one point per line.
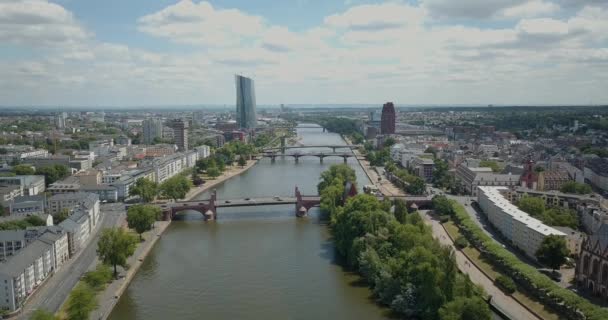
297 156
334 147
208 207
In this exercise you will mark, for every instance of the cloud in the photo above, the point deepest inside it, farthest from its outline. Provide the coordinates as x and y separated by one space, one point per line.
530 9
201 24
468 9
376 17
38 23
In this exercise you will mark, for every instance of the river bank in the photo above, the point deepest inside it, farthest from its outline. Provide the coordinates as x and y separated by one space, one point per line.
231 172
110 296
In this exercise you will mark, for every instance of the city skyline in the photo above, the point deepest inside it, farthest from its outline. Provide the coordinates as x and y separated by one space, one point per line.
512 52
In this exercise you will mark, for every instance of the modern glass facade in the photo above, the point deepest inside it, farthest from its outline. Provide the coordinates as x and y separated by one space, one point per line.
245 102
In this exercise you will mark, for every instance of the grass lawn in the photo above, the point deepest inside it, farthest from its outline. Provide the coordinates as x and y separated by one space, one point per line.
474 255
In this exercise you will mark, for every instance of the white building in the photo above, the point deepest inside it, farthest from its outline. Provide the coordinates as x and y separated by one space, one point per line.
517 226
472 177
23 273
30 184
58 202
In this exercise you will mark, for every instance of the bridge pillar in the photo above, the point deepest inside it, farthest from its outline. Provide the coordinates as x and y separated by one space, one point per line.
297 159
212 206
323 129
321 159
345 159
334 149
272 159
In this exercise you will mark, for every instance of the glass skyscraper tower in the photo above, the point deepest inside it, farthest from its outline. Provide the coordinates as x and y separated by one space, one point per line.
245 102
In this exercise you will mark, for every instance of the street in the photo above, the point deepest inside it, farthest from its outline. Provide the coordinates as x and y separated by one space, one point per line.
55 291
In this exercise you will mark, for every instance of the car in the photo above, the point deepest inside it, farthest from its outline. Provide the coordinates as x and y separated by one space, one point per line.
466 204
247 198
227 201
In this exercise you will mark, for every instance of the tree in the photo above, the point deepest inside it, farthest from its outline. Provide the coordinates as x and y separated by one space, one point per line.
416 186
465 308
401 210
53 173
553 251
141 218
532 205
490 164
213 172
62 215
81 302
23 170
115 246
176 187
440 174
43 315
442 206
145 188
575 187
99 277
242 161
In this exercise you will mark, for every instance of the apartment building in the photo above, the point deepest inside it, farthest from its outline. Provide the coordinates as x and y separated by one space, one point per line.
470 178
522 230
30 184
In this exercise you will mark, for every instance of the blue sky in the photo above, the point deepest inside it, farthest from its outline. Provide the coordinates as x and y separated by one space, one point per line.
172 52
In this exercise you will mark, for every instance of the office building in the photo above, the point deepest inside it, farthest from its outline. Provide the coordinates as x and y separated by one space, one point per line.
387 122
152 128
245 102
180 134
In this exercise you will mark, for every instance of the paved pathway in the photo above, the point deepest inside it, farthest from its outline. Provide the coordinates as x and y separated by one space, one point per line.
109 297
56 289
503 301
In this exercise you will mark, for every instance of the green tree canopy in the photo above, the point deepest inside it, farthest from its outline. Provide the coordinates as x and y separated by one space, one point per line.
176 187
141 218
465 309
575 187
145 188
115 246
532 205
242 161
43 315
81 302
553 251
24 169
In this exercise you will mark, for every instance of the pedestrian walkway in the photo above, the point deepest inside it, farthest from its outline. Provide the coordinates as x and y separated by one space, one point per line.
109 297
499 298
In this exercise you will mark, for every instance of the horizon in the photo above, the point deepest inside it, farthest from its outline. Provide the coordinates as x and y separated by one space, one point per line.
423 52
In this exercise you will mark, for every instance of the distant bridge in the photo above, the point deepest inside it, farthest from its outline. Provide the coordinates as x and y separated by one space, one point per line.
297 156
208 208
334 147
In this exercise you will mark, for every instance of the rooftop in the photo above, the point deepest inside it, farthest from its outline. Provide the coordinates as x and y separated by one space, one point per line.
18 263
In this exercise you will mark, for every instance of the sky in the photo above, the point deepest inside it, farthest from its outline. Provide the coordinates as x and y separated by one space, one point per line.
168 52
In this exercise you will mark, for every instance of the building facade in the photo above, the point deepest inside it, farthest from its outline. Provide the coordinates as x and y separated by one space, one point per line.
245 102
517 226
152 128
180 134
591 271
387 123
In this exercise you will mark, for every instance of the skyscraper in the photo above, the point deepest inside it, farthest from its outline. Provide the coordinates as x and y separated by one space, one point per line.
153 128
180 134
245 102
387 122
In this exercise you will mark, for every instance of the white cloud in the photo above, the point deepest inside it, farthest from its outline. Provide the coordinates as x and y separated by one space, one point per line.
366 54
202 24
38 22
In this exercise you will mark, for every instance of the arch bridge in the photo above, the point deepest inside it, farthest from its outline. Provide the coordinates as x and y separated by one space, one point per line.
208 207
297 156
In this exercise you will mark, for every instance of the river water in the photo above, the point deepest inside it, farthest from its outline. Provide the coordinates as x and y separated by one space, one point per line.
253 262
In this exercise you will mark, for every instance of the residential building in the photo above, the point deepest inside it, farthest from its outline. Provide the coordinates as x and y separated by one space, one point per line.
28 205
471 177
515 225
24 272
387 123
30 184
245 102
180 134
152 129
58 202
8 193
423 167
596 171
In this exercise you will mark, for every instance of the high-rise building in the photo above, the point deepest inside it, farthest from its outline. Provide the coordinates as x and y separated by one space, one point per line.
387 123
180 134
245 102
153 128
60 120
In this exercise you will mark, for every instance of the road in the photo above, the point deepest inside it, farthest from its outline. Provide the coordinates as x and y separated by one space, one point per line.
503 301
57 288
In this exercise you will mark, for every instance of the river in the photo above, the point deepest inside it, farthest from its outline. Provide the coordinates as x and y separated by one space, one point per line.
254 262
